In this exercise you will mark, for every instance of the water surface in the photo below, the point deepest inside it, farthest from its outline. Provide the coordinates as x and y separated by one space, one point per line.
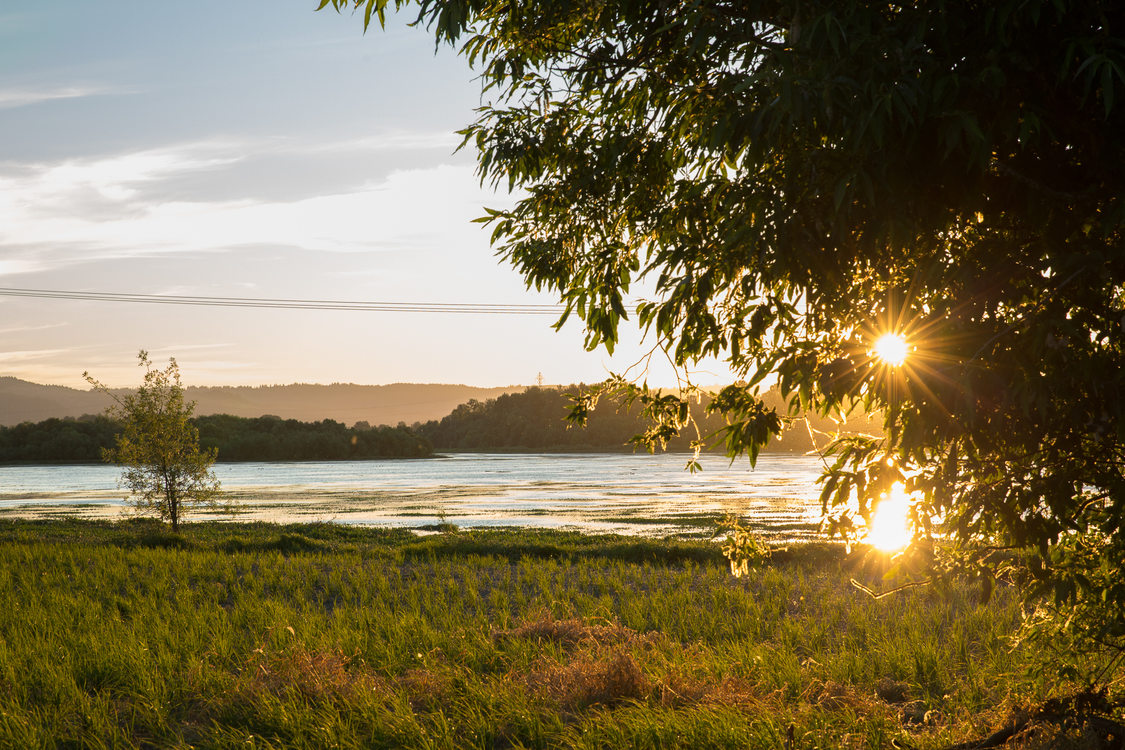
625 493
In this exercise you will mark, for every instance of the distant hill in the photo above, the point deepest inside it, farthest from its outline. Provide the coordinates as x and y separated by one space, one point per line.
21 401
343 402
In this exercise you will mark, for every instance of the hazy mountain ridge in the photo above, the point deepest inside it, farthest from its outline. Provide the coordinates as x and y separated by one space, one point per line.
22 401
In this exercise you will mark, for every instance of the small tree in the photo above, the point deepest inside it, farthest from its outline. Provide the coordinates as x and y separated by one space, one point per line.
164 469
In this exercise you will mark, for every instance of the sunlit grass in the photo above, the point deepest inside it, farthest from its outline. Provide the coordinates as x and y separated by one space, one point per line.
321 635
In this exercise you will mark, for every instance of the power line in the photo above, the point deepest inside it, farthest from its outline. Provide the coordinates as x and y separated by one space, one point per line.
458 308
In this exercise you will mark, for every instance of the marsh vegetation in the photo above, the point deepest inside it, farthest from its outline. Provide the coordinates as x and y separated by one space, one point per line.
256 635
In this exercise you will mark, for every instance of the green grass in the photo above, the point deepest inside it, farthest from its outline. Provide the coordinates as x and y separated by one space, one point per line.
319 635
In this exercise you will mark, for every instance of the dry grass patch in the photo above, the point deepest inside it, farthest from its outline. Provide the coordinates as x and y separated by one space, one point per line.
682 691
316 676
426 689
894 692
615 677
569 633
585 681
608 664
839 696
600 672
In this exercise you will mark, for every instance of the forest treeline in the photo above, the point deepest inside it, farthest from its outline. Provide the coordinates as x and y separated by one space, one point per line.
535 421
267 438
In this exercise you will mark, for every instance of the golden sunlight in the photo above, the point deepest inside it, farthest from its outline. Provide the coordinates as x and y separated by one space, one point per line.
890 528
892 349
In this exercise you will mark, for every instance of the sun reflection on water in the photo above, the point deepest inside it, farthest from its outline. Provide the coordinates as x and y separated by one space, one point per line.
890 527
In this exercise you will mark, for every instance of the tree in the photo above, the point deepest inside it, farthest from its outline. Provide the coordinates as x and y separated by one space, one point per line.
163 467
793 179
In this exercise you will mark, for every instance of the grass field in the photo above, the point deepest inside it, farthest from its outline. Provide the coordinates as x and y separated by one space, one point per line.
253 635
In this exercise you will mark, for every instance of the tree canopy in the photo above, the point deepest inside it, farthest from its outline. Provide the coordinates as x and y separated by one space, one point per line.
793 180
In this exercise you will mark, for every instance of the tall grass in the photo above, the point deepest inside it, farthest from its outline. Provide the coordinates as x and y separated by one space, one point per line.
118 635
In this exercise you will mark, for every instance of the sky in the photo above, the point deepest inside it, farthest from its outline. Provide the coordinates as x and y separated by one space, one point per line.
253 149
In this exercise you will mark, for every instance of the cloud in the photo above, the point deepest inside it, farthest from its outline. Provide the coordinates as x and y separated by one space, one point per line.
393 141
11 357
174 350
14 266
115 179
29 328
24 97
113 207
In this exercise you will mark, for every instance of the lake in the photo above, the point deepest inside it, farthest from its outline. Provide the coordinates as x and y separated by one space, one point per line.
623 493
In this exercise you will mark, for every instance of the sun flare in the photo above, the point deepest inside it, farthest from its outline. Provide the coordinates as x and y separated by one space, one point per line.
892 349
890 528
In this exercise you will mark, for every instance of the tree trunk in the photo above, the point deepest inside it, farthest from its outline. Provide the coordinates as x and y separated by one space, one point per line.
173 510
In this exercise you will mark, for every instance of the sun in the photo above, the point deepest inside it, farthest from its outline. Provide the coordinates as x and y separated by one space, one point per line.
890 528
892 349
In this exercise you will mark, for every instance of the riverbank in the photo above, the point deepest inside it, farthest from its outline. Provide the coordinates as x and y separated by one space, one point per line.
315 635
